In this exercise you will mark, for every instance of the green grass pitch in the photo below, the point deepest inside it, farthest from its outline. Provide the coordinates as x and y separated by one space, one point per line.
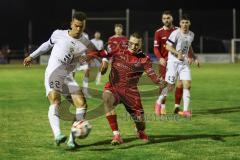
212 133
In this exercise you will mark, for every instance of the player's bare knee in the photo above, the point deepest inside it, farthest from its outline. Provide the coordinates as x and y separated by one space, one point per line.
107 97
108 101
79 101
187 85
112 112
54 98
179 84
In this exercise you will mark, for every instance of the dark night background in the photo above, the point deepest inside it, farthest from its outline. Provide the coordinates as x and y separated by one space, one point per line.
209 18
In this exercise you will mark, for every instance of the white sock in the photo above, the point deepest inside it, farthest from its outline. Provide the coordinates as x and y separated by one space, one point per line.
177 105
163 106
116 133
80 113
162 95
71 137
85 84
186 99
98 78
54 121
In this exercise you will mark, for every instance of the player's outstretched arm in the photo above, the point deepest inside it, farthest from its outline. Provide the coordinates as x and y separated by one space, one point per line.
45 47
152 74
104 66
27 61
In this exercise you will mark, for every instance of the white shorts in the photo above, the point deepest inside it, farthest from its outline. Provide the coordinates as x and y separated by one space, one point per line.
60 80
175 69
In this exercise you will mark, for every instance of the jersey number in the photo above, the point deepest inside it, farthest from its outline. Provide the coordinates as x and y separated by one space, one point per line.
171 79
55 84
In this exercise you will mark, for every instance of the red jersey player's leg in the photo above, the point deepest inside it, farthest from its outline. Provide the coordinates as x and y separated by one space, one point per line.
133 105
111 99
160 103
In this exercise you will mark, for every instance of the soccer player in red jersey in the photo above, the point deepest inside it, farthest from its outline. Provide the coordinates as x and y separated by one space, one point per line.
127 67
117 41
160 38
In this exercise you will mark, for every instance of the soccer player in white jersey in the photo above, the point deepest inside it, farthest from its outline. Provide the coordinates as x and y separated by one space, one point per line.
67 46
99 45
178 45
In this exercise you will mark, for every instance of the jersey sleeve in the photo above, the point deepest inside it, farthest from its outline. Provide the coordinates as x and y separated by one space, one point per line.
101 47
150 71
172 39
46 46
157 43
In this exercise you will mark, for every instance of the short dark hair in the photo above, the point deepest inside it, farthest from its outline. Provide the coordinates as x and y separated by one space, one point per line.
81 16
167 12
185 17
118 25
136 35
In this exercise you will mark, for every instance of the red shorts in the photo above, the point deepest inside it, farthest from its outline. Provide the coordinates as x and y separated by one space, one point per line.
129 97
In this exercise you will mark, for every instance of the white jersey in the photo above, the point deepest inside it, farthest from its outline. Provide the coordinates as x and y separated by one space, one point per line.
65 49
63 60
98 43
86 35
181 42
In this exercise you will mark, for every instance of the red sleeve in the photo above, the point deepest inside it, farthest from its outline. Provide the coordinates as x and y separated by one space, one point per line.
190 54
150 72
157 43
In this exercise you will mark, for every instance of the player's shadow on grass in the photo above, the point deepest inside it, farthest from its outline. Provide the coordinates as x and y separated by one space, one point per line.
154 139
174 138
106 144
218 110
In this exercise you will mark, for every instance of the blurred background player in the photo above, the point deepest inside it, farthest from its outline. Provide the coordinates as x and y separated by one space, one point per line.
178 45
67 46
118 40
85 68
95 63
160 38
127 67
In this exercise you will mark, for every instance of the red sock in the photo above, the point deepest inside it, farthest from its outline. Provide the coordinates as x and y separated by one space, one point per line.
178 95
112 120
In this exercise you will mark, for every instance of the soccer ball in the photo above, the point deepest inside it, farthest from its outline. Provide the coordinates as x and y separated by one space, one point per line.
81 129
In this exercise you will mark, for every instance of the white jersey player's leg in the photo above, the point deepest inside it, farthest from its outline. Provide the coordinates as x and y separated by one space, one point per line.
170 78
185 77
75 91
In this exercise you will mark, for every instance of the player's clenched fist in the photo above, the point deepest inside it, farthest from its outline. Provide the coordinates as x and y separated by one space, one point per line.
27 61
162 61
104 67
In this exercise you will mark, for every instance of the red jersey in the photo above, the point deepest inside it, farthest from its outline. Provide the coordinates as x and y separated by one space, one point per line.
127 69
160 38
116 43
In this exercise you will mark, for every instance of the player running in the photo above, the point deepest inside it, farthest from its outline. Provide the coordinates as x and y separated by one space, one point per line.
67 46
178 45
127 67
